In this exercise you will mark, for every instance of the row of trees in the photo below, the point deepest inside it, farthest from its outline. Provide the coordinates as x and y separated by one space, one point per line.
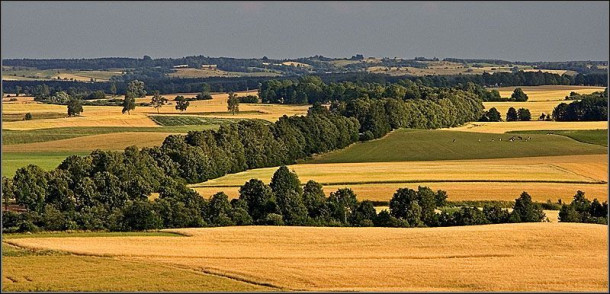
587 109
167 85
582 210
106 203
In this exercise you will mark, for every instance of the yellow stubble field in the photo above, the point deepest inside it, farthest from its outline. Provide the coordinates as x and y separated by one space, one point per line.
107 116
535 125
551 177
506 257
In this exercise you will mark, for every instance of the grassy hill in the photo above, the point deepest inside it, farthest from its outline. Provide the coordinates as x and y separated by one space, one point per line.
597 137
420 145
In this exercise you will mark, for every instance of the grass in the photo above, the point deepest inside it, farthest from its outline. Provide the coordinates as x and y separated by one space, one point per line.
596 137
535 125
507 257
47 270
177 120
10 137
41 115
424 145
46 160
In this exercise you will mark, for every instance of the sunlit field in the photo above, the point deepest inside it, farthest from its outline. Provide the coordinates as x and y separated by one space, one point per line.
507 257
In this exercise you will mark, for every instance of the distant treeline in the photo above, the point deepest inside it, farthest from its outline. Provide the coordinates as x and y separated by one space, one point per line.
223 63
577 66
104 202
224 84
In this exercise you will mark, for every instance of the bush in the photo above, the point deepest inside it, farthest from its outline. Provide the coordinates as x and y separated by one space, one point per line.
28 116
248 99
274 219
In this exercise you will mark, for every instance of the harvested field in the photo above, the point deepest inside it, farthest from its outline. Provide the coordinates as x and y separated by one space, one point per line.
514 126
535 108
112 141
549 177
479 191
95 116
507 257
548 92
25 270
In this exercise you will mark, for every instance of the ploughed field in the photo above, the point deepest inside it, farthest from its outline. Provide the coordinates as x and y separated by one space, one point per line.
506 257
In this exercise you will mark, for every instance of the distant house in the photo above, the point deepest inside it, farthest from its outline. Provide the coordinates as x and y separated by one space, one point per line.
181 66
209 66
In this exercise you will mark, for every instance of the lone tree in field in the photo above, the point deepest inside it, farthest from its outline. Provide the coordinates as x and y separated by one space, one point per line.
135 89
524 114
519 95
233 103
205 92
157 101
17 91
129 103
493 115
28 116
181 103
75 107
512 115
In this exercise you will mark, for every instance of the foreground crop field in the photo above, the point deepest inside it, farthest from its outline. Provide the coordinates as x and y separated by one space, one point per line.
551 177
508 257
28 270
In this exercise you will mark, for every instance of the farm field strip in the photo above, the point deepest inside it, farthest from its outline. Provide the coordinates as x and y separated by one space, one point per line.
457 191
589 168
111 115
548 92
549 177
507 257
535 125
420 145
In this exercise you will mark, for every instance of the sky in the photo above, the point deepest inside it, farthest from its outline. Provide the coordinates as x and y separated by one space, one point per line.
514 31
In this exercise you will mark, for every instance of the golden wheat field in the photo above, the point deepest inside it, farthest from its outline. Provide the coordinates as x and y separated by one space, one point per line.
503 127
507 257
550 177
536 108
94 116
99 274
548 92
475 191
111 141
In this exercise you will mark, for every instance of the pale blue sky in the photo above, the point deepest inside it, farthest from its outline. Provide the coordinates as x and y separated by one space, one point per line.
525 31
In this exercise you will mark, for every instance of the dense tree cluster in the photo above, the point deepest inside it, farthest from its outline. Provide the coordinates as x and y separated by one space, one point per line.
582 210
108 191
491 115
587 109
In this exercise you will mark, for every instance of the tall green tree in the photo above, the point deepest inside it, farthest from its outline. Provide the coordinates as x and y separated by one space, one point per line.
511 114
233 103
181 103
158 101
524 114
75 107
519 95
129 103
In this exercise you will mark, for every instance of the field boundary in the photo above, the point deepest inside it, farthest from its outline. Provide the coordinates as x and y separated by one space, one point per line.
426 181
